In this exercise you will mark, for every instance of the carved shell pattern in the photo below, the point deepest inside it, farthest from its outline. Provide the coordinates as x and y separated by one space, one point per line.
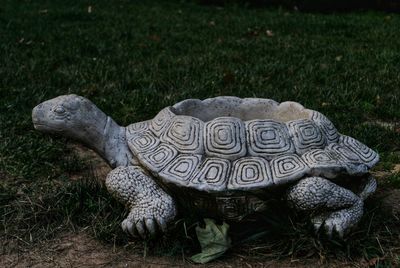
227 153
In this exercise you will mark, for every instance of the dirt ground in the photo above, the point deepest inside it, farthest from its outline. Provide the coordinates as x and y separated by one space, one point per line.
80 249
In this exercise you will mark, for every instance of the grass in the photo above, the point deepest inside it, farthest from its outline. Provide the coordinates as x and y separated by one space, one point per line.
134 58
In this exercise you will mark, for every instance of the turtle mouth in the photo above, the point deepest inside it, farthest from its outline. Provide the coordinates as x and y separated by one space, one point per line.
45 128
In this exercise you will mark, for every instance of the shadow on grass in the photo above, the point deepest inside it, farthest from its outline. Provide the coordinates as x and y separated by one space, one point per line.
278 233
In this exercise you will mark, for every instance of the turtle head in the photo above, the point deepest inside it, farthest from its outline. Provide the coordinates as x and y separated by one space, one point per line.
78 118
66 115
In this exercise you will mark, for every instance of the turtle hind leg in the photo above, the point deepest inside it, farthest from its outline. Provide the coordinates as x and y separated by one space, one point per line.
336 208
150 206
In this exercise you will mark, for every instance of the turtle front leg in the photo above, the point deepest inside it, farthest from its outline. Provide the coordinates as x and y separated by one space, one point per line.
336 208
149 204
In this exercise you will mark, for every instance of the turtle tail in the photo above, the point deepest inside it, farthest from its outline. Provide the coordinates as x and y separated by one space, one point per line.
367 188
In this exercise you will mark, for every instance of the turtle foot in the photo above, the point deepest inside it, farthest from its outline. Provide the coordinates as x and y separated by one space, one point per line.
151 208
337 209
339 222
149 218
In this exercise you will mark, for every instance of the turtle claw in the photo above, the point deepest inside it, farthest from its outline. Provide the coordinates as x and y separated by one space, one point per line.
162 224
328 225
331 226
317 222
128 227
147 222
140 228
151 227
339 222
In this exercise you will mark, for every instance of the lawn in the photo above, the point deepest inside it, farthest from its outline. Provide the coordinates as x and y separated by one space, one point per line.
132 58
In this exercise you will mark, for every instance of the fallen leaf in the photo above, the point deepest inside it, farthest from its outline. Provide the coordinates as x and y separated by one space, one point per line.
214 241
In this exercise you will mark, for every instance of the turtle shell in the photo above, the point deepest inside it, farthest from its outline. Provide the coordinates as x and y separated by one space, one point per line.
228 144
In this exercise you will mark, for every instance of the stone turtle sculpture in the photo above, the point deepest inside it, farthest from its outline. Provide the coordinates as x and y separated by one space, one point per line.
223 157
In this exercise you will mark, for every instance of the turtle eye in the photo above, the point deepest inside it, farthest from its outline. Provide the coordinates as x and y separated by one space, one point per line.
59 110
